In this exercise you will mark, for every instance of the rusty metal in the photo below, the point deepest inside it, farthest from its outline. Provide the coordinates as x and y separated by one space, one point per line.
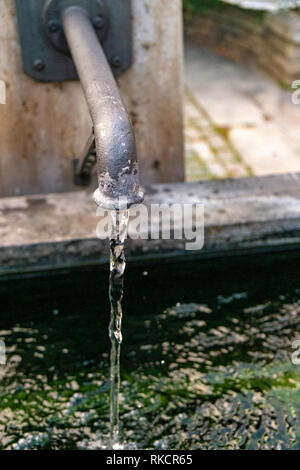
83 166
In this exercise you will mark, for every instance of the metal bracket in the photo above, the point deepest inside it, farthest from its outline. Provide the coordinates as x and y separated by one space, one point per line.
83 166
45 52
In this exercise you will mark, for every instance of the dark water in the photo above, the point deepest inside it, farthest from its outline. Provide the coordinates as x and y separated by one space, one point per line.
205 364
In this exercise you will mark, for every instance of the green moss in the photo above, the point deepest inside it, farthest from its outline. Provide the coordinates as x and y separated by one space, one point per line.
223 133
204 7
284 85
214 374
201 6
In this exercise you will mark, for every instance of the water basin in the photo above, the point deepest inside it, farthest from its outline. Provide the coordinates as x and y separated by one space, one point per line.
205 361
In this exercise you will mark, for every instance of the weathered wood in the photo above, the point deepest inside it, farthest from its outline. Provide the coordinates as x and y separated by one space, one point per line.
45 126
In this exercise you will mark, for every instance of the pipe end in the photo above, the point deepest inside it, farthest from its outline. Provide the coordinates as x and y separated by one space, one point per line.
118 203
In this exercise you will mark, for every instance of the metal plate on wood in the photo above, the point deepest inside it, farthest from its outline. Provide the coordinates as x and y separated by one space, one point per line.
45 52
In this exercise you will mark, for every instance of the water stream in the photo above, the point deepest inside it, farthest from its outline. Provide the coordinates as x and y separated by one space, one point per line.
116 281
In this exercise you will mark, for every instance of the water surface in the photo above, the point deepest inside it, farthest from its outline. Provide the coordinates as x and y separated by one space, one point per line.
205 364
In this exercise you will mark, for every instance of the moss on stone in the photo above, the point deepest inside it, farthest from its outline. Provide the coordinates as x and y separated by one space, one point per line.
204 7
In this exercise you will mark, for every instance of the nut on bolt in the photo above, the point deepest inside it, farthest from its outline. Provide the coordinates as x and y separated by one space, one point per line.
39 65
99 22
53 26
116 61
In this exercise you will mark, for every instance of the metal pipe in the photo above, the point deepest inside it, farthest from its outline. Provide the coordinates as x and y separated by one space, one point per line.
117 166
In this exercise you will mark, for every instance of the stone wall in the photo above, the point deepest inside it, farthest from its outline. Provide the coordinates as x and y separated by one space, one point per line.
271 40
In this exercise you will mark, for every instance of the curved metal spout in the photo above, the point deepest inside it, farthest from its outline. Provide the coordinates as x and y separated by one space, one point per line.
117 167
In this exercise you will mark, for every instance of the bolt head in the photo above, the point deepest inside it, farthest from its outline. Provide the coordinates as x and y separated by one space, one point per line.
39 65
53 26
99 22
116 61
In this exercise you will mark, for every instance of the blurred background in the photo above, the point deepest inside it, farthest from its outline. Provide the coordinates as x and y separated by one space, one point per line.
241 60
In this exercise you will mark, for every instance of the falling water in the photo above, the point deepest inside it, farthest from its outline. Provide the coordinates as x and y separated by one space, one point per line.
117 268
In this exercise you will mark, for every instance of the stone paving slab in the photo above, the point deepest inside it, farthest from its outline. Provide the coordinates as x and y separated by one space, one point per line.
245 109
